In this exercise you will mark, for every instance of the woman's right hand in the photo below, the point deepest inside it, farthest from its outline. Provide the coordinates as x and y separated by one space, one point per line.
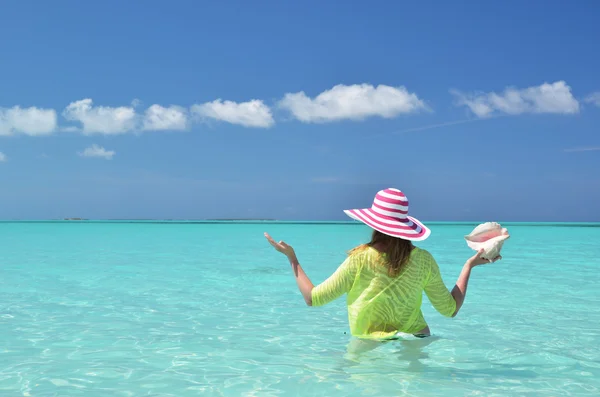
477 260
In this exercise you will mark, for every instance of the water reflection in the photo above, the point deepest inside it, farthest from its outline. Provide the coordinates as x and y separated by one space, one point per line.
409 354
408 350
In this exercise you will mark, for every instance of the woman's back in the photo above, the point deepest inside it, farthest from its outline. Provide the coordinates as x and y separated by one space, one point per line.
381 305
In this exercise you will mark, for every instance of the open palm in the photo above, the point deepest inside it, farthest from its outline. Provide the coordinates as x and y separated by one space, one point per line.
281 246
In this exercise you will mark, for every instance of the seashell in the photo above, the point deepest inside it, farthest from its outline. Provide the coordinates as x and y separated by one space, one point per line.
490 236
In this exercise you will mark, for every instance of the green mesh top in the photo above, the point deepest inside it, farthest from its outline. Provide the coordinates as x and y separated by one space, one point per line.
380 306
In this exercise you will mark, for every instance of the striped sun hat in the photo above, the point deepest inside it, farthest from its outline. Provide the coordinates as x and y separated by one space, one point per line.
389 215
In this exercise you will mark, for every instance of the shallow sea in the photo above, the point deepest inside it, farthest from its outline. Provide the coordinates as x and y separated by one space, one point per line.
210 309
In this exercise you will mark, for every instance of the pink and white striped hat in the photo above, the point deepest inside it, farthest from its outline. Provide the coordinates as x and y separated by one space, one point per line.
389 215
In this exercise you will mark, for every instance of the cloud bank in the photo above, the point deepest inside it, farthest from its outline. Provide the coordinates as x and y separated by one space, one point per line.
355 102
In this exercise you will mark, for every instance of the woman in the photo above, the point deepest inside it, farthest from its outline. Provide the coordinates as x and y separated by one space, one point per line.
385 278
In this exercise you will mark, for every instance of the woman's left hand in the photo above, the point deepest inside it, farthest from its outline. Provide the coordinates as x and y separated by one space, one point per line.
282 247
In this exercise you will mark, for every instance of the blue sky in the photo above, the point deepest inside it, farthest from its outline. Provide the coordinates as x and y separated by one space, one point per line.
268 109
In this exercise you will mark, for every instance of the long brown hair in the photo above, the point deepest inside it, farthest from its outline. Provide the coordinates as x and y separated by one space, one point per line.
397 250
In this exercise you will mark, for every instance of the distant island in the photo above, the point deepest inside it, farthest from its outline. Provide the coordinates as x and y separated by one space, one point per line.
242 219
184 220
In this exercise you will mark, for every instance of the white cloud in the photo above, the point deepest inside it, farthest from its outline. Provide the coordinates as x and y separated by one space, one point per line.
97 151
165 118
353 102
101 119
253 113
545 98
3 158
31 121
593 98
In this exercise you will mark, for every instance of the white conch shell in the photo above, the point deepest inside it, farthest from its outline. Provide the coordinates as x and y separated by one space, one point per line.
490 236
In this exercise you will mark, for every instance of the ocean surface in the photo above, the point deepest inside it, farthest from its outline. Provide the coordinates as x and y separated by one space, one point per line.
211 309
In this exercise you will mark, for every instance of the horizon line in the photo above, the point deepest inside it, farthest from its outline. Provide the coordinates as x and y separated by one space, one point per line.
279 221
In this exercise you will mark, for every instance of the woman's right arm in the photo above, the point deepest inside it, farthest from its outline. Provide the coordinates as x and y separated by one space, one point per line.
460 289
445 302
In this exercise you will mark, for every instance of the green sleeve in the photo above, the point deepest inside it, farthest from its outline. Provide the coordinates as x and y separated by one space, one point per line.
439 296
339 283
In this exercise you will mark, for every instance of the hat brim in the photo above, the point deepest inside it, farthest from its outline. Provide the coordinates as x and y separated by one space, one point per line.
410 229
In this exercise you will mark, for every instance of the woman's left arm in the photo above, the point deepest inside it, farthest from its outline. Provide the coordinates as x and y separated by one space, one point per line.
332 288
304 284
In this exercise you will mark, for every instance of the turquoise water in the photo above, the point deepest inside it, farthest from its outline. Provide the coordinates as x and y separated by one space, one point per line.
159 309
